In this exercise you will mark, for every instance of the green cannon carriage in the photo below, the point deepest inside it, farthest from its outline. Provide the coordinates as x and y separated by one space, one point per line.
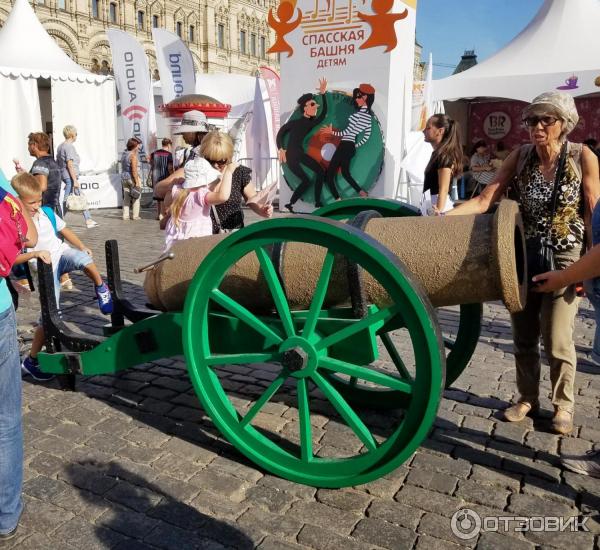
312 305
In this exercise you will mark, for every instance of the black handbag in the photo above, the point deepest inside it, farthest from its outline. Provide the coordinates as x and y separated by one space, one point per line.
540 254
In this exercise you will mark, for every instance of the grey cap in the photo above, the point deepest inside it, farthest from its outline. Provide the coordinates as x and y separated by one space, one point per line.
561 103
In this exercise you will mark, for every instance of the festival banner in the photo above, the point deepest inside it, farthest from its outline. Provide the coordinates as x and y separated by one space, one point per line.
132 77
175 65
259 137
346 79
273 84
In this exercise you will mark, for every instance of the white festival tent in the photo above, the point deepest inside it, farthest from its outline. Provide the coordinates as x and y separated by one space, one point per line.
42 89
558 49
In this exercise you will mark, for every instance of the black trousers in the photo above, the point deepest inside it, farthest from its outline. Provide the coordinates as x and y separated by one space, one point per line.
341 159
294 163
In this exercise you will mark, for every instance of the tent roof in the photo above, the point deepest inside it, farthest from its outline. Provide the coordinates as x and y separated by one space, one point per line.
26 49
561 41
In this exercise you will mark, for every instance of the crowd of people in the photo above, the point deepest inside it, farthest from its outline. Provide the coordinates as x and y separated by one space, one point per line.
200 191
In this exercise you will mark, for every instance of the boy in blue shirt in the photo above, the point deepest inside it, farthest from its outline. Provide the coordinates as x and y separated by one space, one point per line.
51 249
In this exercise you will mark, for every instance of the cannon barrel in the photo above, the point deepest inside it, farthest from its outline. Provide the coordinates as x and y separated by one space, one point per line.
457 259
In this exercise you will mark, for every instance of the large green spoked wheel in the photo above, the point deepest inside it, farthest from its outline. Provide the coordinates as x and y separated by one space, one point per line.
299 356
459 349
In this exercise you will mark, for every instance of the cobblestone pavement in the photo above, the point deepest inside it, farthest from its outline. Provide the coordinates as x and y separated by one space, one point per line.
132 461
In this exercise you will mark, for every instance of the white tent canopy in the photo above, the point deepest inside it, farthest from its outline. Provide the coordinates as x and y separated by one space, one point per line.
78 97
557 50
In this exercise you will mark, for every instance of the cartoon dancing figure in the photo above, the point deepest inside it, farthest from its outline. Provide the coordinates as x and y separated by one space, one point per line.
295 156
382 25
285 25
358 123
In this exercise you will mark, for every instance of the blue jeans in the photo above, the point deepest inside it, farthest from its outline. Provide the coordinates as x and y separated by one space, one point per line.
11 427
592 287
76 191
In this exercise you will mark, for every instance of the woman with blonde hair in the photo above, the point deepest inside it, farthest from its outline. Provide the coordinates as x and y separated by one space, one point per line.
68 160
217 149
189 203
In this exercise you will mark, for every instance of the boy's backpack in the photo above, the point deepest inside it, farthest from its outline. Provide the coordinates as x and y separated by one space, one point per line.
13 231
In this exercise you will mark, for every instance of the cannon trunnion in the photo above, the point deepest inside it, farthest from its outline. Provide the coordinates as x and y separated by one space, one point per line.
327 303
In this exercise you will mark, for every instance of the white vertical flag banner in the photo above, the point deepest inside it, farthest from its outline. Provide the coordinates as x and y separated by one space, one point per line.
132 76
260 137
175 65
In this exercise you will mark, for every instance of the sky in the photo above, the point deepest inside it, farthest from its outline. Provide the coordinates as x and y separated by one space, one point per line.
447 28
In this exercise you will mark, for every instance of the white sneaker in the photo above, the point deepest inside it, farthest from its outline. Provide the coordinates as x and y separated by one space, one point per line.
91 223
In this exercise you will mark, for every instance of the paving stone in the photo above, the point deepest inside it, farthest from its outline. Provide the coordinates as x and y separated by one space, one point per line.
282 526
53 445
512 432
425 542
139 499
217 506
86 478
440 527
184 491
458 468
499 541
428 500
472 491
82 503
72 432
324 539
237 467
383 487
530 505
301 491
319 514
491 476
47 464
176 466
221 484
127 522
269 498
43 517
434 481
374 531
106 443
145 455
352 501
395 512
44 488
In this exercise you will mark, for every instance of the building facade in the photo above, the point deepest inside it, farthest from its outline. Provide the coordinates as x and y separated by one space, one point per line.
230 36
224 36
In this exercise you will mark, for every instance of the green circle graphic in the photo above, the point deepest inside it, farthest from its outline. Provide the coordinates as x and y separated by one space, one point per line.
365 166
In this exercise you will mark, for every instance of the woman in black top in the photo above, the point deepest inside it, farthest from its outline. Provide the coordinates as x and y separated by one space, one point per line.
446 160
217 148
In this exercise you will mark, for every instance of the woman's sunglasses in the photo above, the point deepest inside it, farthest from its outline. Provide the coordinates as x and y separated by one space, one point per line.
533 121
221 162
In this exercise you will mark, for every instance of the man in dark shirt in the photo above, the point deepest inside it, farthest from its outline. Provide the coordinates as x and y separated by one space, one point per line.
294 155
161 162
45 169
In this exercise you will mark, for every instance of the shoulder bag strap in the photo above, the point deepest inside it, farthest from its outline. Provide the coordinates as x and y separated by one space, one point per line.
217 219
560 170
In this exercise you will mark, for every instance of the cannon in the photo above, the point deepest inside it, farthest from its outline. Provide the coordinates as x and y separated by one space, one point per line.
311 304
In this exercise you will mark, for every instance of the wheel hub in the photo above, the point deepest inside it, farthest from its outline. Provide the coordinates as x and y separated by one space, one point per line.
295 359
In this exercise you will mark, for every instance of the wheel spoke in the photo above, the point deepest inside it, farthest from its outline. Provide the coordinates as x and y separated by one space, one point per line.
395 356
277 292
305 428
365 373
259 404
319 296
346 412
379 317
241 358
245 315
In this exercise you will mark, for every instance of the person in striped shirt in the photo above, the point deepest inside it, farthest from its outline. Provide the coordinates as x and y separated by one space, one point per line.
355 135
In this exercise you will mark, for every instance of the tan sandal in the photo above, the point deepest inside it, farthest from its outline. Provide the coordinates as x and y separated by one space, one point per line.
520 410
562 422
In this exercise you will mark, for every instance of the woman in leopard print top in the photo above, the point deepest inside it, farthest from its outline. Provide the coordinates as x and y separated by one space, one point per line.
549 118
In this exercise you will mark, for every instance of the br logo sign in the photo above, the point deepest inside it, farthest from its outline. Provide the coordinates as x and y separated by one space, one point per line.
497 125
